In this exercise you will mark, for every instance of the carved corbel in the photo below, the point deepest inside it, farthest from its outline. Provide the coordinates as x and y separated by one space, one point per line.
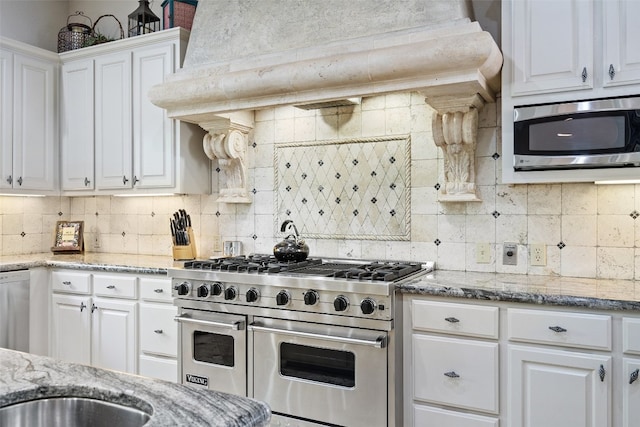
227 142
455 131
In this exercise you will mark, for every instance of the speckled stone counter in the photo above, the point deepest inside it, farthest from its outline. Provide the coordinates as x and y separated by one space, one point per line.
115 263
26 377
545 290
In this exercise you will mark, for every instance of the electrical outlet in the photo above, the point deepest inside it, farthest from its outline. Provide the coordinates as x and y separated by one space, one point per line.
510 254
483 253
538 254
217 244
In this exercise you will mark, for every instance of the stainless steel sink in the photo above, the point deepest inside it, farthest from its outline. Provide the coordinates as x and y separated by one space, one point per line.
71 412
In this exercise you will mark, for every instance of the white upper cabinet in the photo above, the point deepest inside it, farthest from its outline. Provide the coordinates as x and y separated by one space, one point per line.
621 64
552 46
138 149
569 49
29 119
77 148
113 121
152 131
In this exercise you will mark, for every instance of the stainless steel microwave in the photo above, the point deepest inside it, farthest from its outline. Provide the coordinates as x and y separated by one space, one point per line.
603 133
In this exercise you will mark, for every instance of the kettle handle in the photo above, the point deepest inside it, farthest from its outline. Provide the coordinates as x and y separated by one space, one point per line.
289 223
283 227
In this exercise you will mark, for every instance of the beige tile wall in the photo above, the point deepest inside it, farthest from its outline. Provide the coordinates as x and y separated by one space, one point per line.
594 225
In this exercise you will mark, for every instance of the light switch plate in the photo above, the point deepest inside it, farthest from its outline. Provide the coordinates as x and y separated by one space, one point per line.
510 254
483 253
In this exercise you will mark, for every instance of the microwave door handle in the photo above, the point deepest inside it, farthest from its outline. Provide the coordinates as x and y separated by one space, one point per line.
380 342
237 325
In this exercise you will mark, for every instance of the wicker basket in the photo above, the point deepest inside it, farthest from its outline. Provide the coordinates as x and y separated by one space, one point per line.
74 35
97 38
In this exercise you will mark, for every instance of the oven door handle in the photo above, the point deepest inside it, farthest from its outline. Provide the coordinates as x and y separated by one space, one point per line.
233 325
380 342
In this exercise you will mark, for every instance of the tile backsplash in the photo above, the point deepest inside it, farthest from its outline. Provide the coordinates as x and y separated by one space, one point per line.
588 230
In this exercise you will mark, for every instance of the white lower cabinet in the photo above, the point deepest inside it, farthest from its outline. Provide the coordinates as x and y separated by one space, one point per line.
71 328
451 369
94 328
158 330
549 387
113 334
491 364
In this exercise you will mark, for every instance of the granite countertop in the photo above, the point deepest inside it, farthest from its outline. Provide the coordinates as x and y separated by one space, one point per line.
26 376
117 263
602 294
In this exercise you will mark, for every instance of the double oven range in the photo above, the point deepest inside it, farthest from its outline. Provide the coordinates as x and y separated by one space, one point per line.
317 340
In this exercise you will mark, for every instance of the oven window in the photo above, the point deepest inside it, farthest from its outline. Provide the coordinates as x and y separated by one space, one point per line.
318 364
213 348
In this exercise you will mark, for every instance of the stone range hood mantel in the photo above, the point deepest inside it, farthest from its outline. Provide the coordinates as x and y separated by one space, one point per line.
455 66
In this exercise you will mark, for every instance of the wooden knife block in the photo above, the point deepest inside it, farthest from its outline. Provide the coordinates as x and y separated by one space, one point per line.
185 252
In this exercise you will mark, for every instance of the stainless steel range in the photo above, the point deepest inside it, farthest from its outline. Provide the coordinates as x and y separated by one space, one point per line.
317 340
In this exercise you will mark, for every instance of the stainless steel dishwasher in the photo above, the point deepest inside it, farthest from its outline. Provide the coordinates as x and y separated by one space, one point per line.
14 310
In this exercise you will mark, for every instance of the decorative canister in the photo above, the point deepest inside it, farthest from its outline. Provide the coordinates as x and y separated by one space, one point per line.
74 35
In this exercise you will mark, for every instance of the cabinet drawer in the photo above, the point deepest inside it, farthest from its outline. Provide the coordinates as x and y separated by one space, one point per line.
115 286
460 319
560 328
428 416
158 329
155 289
457 372
631 335
158 367
74 282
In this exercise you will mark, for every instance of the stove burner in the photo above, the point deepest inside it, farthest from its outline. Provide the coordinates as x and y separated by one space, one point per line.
268 264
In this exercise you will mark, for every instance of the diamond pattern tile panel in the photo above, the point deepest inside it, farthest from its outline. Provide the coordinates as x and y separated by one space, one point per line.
351 189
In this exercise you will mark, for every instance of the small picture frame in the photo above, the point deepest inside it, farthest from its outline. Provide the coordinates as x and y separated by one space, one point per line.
68 237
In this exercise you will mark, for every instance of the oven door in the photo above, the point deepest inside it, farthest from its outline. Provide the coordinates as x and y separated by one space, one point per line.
213 350
321 373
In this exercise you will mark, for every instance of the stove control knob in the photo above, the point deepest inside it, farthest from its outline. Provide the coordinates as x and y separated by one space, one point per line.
203 291
282 298
252 295
340 303
182 288
311 297
230 293
367 306
216 288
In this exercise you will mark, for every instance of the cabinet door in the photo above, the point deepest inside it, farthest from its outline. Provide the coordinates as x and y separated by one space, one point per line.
76 131
153 131
34 130
621 59
71 328
554 388
630 392
113 121
114 334
6 118
552 46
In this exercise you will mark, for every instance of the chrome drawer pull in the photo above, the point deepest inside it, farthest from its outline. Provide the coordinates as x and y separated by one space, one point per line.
82 307
602 373
557 329
380 342
111 287
158 291
233 325
634 376
451 374
158 331
451 319
66 283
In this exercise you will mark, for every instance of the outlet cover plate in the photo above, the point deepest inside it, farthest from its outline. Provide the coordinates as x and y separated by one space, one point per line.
510 254
483 253
538 254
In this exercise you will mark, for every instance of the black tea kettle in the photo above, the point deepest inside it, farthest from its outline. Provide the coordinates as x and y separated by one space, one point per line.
292 248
